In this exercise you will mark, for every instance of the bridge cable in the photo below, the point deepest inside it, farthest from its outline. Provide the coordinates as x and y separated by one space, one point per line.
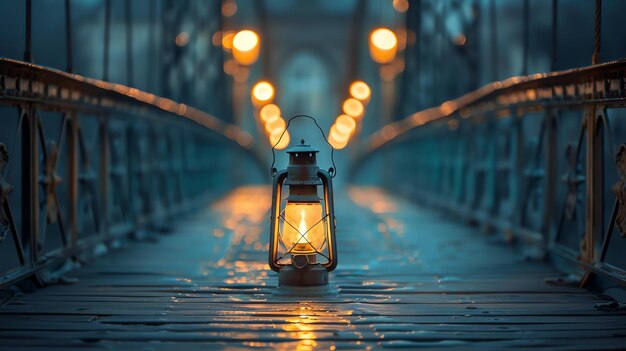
597 33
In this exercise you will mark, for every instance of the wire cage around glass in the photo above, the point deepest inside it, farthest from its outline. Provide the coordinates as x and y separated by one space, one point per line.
302 229
302 233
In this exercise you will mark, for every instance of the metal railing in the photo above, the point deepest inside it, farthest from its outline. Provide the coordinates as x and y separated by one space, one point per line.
537 158
85 162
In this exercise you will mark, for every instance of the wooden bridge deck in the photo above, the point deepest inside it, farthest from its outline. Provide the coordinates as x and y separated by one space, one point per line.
407 278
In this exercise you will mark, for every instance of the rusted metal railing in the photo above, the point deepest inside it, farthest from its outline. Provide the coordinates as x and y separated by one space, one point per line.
86 162
537 158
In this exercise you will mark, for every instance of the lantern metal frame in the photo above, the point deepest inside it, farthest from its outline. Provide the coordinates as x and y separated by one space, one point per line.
277 191
303 269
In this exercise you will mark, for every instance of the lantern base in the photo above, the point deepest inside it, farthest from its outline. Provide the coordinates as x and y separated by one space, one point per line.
311 275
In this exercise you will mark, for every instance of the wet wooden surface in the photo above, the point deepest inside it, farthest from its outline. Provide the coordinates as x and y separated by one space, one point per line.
407 278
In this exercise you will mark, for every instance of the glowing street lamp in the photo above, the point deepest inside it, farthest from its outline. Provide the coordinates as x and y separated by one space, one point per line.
345 124
302 232
360 91
277 142
262 93
383 45
337 139
246 44
268 112
353 108
275 125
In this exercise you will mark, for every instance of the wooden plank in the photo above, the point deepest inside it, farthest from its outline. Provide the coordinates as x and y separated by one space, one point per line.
407 279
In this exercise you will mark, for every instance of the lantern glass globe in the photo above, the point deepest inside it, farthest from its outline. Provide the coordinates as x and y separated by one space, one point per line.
304 228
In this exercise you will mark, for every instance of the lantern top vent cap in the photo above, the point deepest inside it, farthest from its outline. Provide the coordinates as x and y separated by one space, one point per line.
302 148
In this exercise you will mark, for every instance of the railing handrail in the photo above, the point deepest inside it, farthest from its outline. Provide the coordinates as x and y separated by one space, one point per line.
159 157
497 174
477 101
98 94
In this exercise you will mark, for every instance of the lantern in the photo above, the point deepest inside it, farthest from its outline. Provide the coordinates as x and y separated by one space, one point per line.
302 232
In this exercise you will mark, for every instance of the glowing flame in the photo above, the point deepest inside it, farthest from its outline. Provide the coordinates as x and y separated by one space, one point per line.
302 228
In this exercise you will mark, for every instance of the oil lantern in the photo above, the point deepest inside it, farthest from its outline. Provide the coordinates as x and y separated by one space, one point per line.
302 233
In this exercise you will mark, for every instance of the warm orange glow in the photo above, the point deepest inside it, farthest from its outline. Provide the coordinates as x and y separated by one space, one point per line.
284 142
345 124
401 5
360 91
353 108
246 45
227 40
303 231
245 40
383 45
401 35
262 93
388 72
389 132
216 38
448 107
460 39
229 8
182 39
275 125
337 135
269 111
230 67
241 74
335 143
373 198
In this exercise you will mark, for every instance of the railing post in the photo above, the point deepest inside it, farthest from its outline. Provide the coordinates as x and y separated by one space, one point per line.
550 177
492 181
131 174
72 180
595 184
103 136
30 182
521 182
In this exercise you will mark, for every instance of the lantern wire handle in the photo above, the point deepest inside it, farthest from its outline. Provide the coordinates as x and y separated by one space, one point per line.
332 170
